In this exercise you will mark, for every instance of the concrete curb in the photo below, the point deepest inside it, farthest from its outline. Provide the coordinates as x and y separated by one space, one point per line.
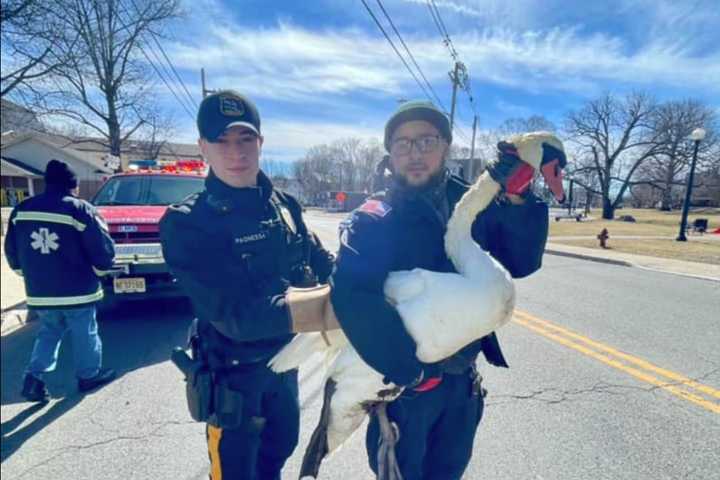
12 320
591 258
624 263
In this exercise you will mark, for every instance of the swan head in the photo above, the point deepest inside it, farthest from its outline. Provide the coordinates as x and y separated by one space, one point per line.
545 153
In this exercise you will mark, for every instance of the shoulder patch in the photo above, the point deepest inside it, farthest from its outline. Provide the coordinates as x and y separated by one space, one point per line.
375 207
186 204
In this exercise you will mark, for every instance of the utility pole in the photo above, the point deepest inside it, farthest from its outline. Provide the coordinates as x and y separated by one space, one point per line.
205 91
455 79
473 169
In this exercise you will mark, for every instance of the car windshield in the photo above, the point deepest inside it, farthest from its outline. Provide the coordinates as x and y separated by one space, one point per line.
147 190
172 189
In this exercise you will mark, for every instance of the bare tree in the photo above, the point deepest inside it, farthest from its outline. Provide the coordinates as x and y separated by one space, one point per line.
104 86
347 164
28 32
618 135
533 123
673 123
153 138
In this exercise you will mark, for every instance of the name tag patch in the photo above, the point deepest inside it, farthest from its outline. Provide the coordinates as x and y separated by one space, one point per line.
253 237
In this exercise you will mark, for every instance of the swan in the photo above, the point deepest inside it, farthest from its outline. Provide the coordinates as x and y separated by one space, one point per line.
443 312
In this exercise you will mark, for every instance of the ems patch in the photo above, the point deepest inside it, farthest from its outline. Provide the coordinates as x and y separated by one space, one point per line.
375 207
231 106
45 241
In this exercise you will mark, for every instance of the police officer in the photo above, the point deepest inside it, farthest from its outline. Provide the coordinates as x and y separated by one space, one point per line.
60 245
235 248
400 229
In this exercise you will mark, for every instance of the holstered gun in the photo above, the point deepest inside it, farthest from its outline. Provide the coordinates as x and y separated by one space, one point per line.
198 384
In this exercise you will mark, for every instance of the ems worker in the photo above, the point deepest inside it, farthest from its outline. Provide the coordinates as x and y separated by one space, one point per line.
235 248
400 229
60 245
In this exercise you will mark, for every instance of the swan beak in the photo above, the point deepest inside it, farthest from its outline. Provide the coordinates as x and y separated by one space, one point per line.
552 172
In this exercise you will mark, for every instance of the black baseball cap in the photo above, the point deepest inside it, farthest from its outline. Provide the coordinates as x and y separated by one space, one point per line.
418 110
224 109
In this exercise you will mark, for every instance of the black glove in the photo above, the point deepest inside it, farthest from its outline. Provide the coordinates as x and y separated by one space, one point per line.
510 171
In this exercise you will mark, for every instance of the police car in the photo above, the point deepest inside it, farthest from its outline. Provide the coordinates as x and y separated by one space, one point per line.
132 203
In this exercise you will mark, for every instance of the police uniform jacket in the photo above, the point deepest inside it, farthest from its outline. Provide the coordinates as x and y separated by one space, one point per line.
235 251
401 230
60 245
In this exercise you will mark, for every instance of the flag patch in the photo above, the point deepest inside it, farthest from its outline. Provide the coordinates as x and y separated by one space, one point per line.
375 207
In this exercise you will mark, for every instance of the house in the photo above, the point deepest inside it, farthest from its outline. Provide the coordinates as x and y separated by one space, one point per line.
24 158
25 155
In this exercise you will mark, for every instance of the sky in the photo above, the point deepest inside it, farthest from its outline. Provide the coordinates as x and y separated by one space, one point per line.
322 70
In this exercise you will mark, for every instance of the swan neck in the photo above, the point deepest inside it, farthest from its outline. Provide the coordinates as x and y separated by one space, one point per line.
458 238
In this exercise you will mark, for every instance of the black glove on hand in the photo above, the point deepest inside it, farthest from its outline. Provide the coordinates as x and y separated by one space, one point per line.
510 171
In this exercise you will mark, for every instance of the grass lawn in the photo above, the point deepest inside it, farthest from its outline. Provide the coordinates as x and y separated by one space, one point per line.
702 251
649 223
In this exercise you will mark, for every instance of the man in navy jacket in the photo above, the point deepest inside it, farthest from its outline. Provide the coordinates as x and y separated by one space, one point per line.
403 228
60 245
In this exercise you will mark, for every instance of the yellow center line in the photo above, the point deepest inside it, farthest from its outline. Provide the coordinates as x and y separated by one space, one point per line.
521 319
637 361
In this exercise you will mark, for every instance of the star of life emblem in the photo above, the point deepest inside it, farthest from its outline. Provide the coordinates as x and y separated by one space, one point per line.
44 240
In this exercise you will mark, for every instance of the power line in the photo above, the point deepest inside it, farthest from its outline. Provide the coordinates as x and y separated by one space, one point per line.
164 68
410 54
182 84
152 64
169 62
162 77
465 82
397 52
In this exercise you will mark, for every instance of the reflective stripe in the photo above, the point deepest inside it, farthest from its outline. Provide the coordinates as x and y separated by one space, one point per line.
214 434
51 218
101 273
62 301
19 272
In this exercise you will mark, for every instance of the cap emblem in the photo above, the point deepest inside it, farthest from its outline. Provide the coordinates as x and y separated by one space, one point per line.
231 106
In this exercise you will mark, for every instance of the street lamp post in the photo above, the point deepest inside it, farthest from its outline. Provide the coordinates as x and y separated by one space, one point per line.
570 196
697 135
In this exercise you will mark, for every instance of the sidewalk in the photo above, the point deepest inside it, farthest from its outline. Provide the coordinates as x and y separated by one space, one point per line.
679 267
12 299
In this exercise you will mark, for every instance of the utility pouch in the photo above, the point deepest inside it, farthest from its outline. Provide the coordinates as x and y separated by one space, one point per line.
198 385
228 405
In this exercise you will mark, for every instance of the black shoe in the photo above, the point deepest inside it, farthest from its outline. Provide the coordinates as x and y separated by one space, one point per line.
34 390
104 376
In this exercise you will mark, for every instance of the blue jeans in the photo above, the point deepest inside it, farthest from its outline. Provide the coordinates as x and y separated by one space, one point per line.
87 346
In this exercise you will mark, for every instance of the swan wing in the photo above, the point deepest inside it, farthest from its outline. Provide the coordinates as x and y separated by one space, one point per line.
304 346
455 311
403 285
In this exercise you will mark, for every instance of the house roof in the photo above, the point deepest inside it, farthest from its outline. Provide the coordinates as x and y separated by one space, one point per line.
24 167
11 140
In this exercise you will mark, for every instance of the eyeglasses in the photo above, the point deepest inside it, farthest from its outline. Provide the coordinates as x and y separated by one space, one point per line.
425 144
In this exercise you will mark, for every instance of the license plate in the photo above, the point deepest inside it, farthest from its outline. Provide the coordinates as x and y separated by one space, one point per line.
139 249
127 228
129 285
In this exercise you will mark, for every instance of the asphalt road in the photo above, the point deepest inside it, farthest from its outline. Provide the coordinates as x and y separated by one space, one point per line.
615 374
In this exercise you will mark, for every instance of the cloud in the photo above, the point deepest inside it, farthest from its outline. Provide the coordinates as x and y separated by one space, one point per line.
295 64
291 63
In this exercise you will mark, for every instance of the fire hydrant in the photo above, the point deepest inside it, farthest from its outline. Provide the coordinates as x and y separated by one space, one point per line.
603 237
